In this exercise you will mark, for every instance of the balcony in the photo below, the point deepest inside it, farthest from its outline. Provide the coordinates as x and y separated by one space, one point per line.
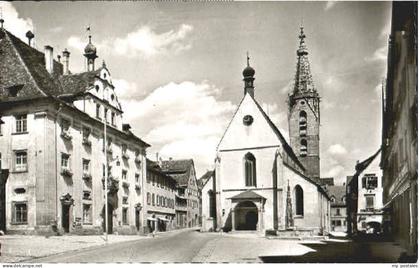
302 132
66 172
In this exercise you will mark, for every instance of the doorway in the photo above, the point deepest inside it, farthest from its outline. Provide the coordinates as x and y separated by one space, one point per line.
65 217
246 216
138 220
110 221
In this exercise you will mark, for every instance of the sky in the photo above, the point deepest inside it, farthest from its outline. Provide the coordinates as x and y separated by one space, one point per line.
177 66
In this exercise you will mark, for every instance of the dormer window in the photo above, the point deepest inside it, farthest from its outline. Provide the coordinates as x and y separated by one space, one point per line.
97 88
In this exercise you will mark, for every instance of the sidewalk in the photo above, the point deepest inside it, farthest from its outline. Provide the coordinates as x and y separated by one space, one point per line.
18 248
246 248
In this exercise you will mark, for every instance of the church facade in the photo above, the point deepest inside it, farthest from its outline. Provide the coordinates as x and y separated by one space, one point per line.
261 182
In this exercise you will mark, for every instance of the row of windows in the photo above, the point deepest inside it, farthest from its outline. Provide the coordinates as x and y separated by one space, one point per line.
160 181
160 201
20 213
21 126
99 115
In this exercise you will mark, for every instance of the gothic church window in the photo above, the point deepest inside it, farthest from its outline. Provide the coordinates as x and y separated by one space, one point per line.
298 200
250 170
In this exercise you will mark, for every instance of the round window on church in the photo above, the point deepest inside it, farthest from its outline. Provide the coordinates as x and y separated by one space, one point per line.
302 102
248 120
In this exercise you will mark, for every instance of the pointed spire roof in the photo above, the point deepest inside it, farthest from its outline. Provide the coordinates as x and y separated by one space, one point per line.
303 78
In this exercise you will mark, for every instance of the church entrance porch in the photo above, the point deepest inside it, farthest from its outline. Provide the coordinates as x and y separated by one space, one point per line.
246 216
247 211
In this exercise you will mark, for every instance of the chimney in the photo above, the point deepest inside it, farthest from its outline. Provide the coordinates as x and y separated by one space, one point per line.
30 36
48 52
66 57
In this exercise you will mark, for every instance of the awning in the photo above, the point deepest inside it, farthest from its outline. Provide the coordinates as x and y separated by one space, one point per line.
151 219
163 219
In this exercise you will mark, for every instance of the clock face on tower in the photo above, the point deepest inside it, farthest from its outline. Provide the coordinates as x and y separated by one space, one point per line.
248 119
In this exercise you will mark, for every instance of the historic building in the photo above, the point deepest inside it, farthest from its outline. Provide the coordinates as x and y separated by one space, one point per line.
53 144
160 199
338 207
187 192
364 197
262 183
208 201
399 160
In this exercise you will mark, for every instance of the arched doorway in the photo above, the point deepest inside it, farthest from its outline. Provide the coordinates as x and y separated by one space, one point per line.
246 216
110 223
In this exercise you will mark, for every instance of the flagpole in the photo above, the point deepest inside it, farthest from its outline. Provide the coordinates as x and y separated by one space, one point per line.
106 172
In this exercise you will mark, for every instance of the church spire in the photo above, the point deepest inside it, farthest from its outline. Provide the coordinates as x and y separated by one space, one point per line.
303 77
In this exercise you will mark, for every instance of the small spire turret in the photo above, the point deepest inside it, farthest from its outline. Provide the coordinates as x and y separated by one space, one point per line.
248 74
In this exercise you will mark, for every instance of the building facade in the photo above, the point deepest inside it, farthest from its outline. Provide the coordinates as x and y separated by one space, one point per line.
187 192
260 182
208 201
160 199
363 195
54 145
399 128
338 207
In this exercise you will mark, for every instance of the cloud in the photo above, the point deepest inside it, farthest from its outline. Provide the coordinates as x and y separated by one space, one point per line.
380 54
126 90
143 42
288 88
57 29
182 120
335 172
329 5
13 23
146 42
337 149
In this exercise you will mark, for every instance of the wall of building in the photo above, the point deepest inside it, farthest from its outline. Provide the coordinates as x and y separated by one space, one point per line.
155 188
45 185
208 220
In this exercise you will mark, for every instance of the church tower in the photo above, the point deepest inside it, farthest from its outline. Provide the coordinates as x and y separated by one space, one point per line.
304 114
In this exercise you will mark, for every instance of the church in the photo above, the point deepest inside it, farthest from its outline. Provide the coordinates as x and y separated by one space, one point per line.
262 182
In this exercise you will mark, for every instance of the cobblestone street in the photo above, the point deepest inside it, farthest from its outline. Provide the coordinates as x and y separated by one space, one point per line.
191 246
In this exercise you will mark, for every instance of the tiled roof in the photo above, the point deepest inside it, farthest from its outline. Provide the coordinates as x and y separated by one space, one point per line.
38 82
35 64
338 192
364 164
78 83
327 181
205 178
248 195
178 169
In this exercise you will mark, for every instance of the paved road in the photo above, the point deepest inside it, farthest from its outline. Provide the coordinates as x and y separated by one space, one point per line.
165 247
